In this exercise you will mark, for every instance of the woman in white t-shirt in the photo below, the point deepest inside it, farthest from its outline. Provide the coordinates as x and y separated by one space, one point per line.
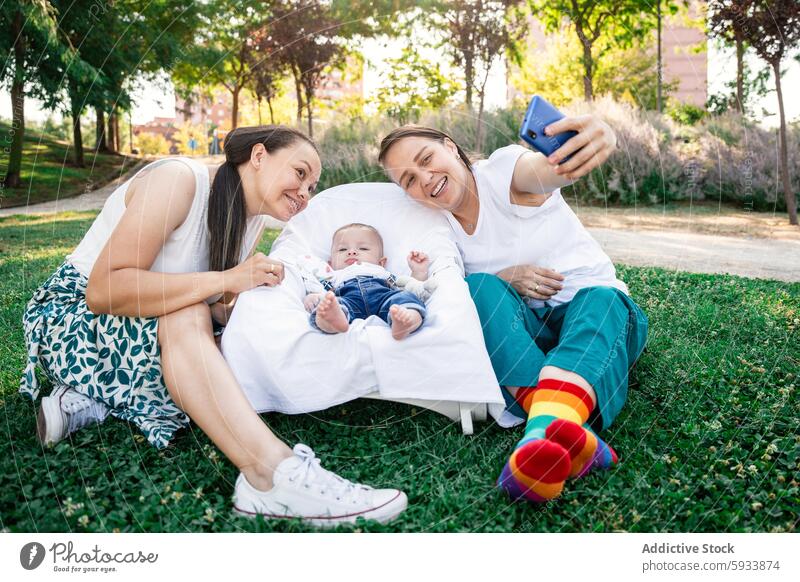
560 327
124 325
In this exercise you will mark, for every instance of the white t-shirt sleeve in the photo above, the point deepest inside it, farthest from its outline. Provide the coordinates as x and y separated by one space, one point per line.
498 171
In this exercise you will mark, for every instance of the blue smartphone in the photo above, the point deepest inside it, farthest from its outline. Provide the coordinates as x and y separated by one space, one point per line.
539 115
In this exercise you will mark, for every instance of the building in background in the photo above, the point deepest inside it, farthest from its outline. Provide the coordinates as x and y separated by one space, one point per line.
213 110
681 59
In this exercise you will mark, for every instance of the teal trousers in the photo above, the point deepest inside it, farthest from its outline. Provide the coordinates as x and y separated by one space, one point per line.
598 335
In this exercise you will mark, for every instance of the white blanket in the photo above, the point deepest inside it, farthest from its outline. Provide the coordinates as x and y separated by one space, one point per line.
284 365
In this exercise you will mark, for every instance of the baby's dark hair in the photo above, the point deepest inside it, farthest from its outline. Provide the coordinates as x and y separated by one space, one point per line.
360 225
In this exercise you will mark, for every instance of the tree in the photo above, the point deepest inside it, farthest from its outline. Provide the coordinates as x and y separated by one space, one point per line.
772 28
556 73
412 84
726 22
266 73
671 8
305 37
152 144
33 61
223 51
477 33
617 22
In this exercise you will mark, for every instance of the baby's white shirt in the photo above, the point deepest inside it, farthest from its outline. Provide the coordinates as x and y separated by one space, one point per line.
339 276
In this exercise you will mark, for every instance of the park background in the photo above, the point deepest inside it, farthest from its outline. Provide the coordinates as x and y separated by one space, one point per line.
702 97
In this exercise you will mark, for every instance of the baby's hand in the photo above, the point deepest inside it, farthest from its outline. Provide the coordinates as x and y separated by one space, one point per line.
310 301
417 260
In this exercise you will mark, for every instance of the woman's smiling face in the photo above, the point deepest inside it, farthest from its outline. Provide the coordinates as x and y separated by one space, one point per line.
429 170
285 180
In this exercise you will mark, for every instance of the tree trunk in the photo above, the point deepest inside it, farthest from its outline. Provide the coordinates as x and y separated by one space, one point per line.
77 136
258 98
235 108
481 102
469 75
101 146
12 179
739 75
660 76
113 141
309 109
791 200
299 92
117 134
271 113
588 63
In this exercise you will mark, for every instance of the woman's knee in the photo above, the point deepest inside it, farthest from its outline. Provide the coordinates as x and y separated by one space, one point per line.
601 297
481 283
191 322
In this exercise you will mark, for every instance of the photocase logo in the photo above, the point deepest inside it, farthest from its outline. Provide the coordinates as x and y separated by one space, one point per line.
31 555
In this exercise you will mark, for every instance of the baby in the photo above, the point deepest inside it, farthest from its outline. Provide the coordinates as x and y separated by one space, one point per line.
362 286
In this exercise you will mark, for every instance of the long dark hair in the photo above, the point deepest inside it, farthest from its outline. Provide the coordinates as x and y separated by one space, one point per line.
418 131
227 214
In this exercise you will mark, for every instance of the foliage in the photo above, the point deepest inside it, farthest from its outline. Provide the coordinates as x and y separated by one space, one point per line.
152 144
477 32
412 84
707 440
724 158
772 28
555 72
305 38
599 25
187 132
685 113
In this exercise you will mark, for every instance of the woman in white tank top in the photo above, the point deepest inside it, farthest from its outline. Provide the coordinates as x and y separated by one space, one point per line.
560 328
125 325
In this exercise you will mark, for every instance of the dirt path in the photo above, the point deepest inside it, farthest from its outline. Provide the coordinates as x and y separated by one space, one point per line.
703 253
698 239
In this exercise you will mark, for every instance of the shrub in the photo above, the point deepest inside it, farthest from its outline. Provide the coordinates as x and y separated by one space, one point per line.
722 157
685 113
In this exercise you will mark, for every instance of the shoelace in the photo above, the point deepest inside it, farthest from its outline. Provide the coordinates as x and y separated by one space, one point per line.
311 471
80 410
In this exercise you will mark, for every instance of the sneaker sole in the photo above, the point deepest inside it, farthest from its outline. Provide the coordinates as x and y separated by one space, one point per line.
382 514
52 431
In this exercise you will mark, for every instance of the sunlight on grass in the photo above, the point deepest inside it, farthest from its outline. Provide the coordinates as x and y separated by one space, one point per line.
707 441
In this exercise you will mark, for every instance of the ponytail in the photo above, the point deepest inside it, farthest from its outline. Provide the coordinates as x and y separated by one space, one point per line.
227 213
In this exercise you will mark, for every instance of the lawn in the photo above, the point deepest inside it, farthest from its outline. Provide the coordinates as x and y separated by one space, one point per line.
708 441
48 171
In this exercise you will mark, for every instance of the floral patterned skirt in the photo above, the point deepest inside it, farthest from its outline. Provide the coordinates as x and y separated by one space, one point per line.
113 359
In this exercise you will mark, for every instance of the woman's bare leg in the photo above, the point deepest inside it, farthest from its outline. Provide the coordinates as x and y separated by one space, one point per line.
200 381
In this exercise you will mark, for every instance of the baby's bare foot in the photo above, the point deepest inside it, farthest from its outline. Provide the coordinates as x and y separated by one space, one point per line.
404 321
330 317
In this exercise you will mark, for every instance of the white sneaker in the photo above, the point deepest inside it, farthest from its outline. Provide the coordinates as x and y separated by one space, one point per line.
302 488
64 412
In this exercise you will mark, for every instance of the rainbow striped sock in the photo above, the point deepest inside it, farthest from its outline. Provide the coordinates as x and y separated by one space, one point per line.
555 446
604 456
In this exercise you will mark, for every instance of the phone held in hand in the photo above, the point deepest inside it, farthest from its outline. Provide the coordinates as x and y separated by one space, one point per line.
539 115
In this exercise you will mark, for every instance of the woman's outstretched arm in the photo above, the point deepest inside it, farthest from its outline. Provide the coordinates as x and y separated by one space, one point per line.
537 174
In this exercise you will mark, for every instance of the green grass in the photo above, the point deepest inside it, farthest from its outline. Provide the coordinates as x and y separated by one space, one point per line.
708 441
49 173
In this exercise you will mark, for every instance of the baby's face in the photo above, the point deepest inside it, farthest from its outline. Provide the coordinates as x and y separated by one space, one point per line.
356 245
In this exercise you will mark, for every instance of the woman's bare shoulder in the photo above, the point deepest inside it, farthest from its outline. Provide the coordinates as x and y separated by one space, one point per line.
171 179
